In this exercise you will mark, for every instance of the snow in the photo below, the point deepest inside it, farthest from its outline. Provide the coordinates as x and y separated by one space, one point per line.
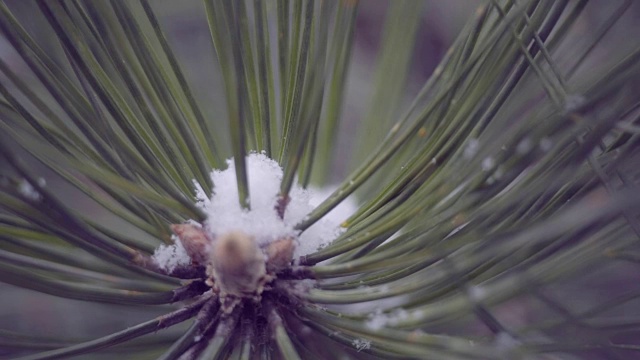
379 319
338 214
27 190
546 144
361 344
471 149
303 286
573 102
224 213
328 228
488 163
504 342
169 257
524 146
477 293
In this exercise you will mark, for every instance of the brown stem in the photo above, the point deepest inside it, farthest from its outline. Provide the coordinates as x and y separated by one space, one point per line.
281 205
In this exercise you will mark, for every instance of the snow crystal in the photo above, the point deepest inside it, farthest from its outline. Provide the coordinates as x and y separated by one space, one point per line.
27 190
361 344
379 319
572 102
168 257
504 342
471 149
477 293
488 163
545 144
366 289
398 315
224 213
303 286
524 146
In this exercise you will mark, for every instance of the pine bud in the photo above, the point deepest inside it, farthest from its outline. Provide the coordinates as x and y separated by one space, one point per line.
238 264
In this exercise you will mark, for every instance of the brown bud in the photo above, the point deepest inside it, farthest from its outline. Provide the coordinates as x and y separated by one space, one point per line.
279 254
238 264
194 240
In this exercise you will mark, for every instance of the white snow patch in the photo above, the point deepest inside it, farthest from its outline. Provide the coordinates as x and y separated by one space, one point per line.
303 286
504 342
339 213
328 228
471 149
488 163
361 344
168 257
224 213
367 289
223 209
379 319
545 144
573 101
398 315
477 293
524 146
27 190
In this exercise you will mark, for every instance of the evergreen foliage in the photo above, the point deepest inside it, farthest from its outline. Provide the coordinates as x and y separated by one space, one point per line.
499 209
